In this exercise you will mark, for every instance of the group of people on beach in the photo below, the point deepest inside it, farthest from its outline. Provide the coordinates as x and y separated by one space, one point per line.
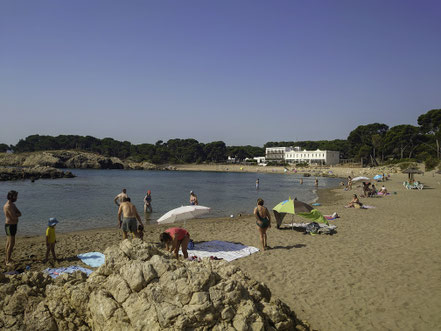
173 238
12 214
368 190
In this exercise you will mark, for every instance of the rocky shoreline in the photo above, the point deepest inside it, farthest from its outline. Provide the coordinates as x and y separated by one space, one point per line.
143 288
36 165
32 173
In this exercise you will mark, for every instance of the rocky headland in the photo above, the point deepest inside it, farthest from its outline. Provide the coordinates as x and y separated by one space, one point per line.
32 173
143 288
36 165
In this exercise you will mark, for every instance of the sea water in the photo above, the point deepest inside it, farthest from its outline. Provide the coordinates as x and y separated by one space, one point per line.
86 201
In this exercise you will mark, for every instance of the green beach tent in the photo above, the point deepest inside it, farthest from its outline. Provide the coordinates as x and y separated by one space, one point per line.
295 207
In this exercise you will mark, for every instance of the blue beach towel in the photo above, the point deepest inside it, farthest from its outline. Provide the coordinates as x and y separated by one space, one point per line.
93 259
315 204
55 272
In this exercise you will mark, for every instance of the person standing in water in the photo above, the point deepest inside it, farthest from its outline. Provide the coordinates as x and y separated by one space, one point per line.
120 197
193 199
11 220
316 182
263 222
257 183
148 202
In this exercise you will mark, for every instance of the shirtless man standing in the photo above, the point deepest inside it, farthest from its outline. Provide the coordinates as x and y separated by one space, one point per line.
11 215
128 222
119 198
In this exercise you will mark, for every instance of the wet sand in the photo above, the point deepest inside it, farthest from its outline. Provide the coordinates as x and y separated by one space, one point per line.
380 271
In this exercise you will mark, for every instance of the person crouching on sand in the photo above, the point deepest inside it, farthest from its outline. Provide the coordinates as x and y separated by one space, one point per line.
174 238
263 222
50 238
130 215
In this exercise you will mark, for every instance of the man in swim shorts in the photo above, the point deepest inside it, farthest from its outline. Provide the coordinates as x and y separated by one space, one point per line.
128 222
11 215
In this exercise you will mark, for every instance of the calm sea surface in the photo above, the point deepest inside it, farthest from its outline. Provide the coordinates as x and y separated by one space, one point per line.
86 202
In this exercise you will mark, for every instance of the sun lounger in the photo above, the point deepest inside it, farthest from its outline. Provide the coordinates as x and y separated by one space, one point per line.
415 185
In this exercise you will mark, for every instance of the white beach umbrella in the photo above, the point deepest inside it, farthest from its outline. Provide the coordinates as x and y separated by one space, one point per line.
359 178
183 213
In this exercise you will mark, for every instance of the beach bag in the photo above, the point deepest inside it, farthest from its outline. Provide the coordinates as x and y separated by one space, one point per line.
190 244
312 228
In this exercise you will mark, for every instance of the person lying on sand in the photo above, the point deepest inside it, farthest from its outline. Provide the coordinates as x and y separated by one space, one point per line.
263 222
355 202
174 238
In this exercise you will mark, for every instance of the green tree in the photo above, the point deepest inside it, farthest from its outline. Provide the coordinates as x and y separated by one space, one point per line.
216 151
402 138
361 137
3 148
430 123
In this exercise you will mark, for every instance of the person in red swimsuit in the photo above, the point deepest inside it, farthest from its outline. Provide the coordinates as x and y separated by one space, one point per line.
174 238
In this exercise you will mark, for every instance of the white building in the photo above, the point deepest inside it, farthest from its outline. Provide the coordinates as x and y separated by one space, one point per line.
296 155
276 153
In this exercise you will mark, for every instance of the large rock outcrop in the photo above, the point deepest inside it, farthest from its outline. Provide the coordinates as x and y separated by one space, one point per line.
37 172
61 159
143 288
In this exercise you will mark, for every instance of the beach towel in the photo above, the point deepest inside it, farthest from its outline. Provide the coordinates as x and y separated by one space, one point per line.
315 204
367 207
93 259
330 218
225 250
55 272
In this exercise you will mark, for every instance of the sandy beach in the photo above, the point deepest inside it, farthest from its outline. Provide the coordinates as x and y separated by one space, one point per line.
380 271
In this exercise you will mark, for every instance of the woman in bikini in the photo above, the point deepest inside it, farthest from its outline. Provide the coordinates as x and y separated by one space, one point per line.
263 222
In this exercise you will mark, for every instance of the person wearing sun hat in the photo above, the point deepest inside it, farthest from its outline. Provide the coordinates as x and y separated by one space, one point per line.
50 238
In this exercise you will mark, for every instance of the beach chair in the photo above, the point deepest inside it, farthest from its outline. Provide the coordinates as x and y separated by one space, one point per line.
416 185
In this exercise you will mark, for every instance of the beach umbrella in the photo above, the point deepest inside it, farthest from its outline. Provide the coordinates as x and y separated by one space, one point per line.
411 171
183 213
295 207
359 178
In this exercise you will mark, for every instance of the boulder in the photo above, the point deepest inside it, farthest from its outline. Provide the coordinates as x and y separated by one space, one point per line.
143 288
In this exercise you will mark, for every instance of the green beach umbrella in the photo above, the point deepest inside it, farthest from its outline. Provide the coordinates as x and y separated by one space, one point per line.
295 207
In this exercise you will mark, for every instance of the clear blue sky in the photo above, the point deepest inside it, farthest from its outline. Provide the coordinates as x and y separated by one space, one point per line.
245 72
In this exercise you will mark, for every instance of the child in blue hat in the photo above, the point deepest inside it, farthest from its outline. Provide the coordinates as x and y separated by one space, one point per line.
50 238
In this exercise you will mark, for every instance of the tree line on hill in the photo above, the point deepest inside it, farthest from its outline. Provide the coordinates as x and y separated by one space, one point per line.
373 143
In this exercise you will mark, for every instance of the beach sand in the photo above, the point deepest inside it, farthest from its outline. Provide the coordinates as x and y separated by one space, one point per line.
380 271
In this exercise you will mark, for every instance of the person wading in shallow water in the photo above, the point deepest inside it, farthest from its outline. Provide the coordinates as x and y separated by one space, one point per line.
263 222
11 220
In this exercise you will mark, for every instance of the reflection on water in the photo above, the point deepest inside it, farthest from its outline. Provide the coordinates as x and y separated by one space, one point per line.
86 201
